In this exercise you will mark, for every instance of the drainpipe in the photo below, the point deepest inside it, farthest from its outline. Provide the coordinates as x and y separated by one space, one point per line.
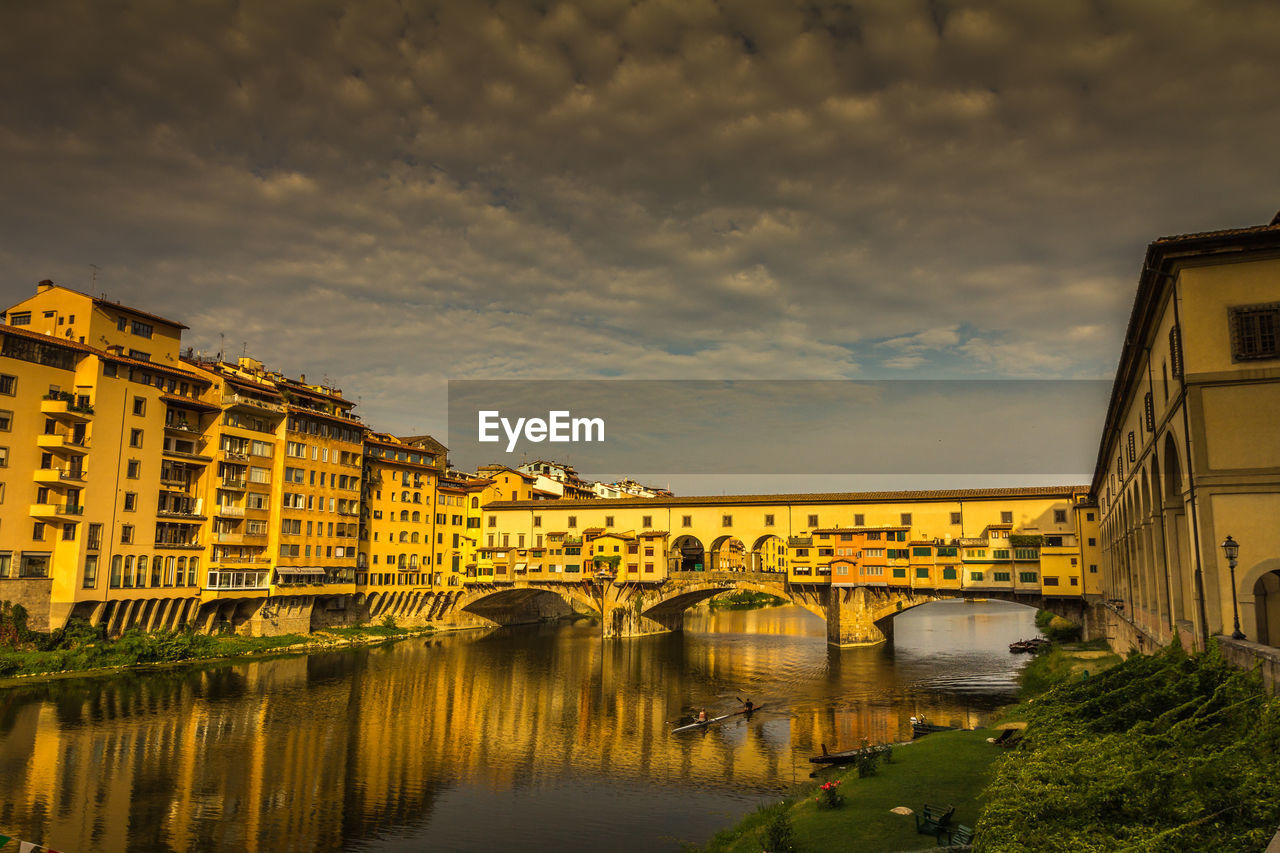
1191 483
1155 452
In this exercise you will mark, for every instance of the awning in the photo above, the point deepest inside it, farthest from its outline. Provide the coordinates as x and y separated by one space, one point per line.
520 567
295 571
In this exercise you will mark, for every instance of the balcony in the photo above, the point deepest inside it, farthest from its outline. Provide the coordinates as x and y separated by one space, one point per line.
232 483
180 514
253 579
230 401
800 541
186 545
60 476
230 539
231 511
63 443
236 455
66 410
238 561
56 512
192 454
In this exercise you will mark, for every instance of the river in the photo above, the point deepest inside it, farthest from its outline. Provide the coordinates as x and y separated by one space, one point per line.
530 738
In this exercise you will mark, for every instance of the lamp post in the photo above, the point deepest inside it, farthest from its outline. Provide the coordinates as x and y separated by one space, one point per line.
1231 549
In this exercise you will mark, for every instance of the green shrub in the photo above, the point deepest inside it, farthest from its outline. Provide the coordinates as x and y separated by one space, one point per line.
389 622
779 837
1061 630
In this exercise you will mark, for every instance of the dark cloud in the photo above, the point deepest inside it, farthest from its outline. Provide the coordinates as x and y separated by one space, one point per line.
393 194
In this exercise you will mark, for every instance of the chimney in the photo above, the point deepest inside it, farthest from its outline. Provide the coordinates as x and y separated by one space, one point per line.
43 285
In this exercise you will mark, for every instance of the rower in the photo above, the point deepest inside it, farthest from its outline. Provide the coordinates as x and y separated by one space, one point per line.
750 706
702 715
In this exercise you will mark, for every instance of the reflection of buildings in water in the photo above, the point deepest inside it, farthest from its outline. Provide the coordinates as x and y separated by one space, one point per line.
316 752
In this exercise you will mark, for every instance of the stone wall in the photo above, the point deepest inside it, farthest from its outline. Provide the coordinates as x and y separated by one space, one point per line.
1247 655
32 593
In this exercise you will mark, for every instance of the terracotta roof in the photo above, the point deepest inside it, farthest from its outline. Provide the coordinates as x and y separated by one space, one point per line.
426 442
348 420
814 498
119 307
103 354
187 401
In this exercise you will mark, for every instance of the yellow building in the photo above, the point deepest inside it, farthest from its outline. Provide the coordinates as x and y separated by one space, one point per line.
92 400
1190 449
399 521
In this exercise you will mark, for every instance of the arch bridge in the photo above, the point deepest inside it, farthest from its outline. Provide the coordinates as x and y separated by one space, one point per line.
855 615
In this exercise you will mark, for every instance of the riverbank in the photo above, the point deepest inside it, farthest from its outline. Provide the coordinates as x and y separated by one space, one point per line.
945 768
85 652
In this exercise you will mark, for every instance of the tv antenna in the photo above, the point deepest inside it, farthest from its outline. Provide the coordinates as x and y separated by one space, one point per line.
94 269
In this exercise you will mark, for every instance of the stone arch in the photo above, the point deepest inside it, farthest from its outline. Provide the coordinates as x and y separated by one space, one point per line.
688 554
1260 587
727 554
768 554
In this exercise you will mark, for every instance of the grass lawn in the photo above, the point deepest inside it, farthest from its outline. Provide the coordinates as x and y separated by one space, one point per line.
945 768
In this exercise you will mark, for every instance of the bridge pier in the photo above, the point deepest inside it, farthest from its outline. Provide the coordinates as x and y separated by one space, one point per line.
851 618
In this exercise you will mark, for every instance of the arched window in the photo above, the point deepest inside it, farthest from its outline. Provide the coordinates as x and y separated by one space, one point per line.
404 496
400 563
175 571
191 571
417 497
475 503
416 517
128 572
404 536
413 537
142 571
413 561
116 562
404 515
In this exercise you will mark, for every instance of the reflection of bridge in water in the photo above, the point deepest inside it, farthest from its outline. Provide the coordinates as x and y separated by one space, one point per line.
855 614
324 751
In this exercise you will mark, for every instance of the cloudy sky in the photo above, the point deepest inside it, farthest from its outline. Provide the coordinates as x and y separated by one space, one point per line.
392 195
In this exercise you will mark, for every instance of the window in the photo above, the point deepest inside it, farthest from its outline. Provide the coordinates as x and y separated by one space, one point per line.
1026 554
94 540
1254 332
6 420
955 518
608 521
8 384
906 519
1149 412
135 438
686 521
537 521
922 573
922 551
1133 448
1093 542
1006 518
139 405
726 521
142 330
768 521
37 531
1059 516
949 573
646 521
1093 568
1027 577
20 318
1001 576
859 520
130 501
573 521
68 532
133 469
4 457
1000 554
975 576
34 565
126 534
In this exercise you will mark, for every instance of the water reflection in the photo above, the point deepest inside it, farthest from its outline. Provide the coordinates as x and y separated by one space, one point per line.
541 738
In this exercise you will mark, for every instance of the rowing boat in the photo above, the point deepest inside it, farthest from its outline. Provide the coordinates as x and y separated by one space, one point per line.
702 724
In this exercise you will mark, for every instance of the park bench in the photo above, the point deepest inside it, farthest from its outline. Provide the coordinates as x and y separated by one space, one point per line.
932 820
960 835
